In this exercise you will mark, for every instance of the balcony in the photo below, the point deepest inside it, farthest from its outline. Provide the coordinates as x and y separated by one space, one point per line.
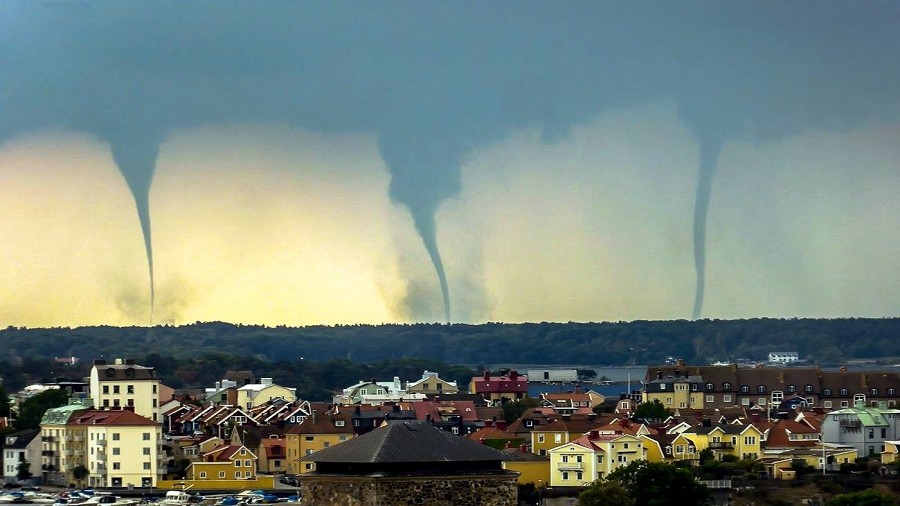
101 471
48 453
47 439
851 424
101 442
571 466
720 445
78 439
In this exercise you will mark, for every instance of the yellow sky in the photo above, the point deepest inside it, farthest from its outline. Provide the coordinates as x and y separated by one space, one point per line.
273 225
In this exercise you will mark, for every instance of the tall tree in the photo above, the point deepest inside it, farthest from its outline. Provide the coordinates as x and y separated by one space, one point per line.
23 470
605 493
33 409
656 483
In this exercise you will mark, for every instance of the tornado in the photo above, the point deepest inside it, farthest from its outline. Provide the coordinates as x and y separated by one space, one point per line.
710 147
135 157
426 228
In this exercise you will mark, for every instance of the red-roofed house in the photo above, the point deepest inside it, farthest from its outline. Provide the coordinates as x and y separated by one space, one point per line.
513 386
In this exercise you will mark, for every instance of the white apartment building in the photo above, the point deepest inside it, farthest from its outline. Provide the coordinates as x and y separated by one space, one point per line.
124 384
783 357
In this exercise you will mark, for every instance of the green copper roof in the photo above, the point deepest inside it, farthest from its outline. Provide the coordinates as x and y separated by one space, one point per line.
60 415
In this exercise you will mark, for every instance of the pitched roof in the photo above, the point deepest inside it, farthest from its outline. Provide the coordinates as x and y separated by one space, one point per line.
110 417
406 442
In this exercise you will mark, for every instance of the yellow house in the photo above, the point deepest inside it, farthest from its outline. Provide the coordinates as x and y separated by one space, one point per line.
670 448
431 384
548 436
591 457
257 394
741 441
226 462
889 455
831 456
532 468
675 391
316 433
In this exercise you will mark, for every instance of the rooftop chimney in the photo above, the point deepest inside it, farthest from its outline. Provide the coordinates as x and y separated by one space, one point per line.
513 375
487 375
594 434
501 424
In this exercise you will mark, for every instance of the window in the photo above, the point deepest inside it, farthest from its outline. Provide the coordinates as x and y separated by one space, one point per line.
625 445
845 404
668 450
115 451
892 391
565 475
761 389
202 474
668 400
745 401
827 391
826 404
579 476
154 389
883 433
694 387
247 463
339 423
540 438
105 389
808 388
761 401
726 386
309 438
745 389
726 398
105 403
146 451
116 466
129 389
682 405
662 386
565 458
710 386
749 440
237 475
557 438
153 401
678 449
874 391
843 392
859 398
146 466
146 436
116 403
792 389
326 444
710 398
222 475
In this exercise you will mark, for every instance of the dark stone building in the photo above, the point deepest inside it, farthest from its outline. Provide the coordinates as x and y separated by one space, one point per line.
408 462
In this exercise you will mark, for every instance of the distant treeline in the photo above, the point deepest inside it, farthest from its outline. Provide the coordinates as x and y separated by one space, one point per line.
624 343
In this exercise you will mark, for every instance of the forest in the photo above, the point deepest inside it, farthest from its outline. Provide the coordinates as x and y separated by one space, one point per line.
318 358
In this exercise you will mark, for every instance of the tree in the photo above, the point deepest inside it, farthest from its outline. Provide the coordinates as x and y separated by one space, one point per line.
512 411
4 403
23 470
605 493
80 473
33 409
656 483
651 411
870 497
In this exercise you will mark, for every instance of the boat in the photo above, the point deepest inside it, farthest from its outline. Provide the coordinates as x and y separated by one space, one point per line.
109 500
176 498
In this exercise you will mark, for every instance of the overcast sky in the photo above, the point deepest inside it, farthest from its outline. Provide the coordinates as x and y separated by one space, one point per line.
328 162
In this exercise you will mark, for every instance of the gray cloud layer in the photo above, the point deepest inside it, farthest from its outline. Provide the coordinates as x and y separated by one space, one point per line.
435 81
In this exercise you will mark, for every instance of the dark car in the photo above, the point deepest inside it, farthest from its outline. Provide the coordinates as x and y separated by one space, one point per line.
11 485
31 488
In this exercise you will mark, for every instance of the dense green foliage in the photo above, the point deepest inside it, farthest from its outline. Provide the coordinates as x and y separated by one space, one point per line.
33 409
647 484
653 411
639 342
868 497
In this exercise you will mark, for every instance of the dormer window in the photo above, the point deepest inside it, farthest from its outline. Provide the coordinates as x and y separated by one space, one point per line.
710 386
726 386
892 391
843 391
338 423
792 389
827 392
745 389
809 389
761 389
874 391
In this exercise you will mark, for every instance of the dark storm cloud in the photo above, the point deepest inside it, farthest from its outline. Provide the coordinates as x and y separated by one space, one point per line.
433 81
